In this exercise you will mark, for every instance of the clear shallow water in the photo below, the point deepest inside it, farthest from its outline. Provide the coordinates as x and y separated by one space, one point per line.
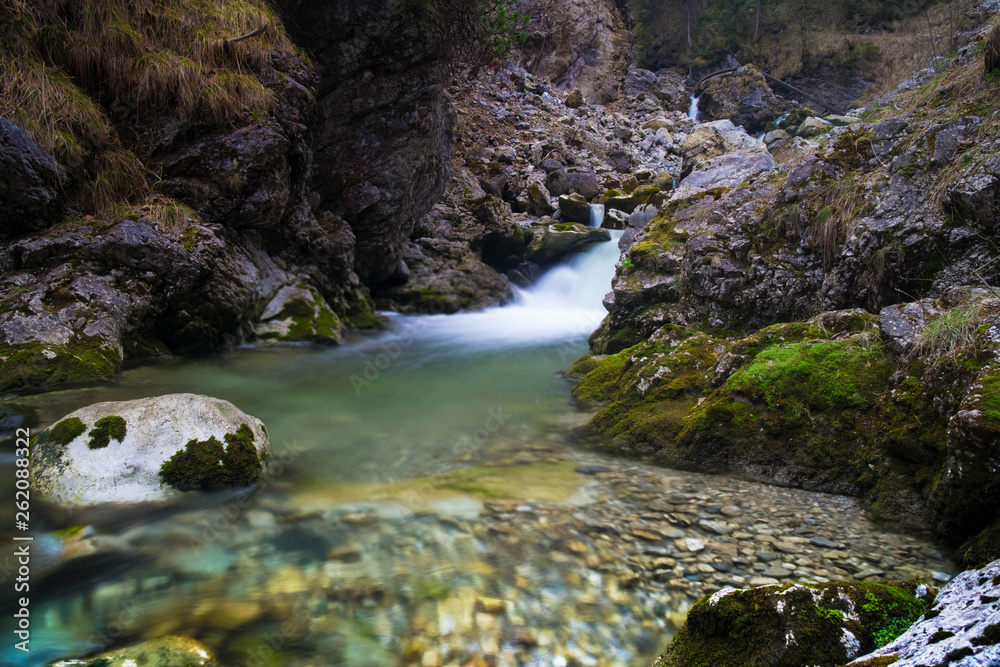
426 472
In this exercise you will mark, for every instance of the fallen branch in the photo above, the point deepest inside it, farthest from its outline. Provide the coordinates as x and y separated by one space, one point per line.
252 33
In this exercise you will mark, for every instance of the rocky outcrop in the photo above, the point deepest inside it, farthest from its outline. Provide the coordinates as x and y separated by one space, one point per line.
191 266
579 44
743 97
795 624
141 450
553 242
383 149
30 193
518 144
828 325
962 627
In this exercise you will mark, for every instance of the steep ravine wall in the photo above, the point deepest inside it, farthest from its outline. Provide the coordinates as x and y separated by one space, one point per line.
384 144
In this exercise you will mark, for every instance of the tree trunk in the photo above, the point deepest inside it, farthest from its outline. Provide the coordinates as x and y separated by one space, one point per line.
756 27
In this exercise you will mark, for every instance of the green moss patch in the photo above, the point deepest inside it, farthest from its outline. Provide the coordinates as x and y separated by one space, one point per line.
982 549
824 375
989 637
106 429
40 366
207 464
66 431
753 627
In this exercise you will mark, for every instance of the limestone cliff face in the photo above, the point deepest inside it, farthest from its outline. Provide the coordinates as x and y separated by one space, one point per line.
383 149
585 44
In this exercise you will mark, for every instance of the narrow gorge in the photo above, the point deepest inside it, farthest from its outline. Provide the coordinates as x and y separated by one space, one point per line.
526 333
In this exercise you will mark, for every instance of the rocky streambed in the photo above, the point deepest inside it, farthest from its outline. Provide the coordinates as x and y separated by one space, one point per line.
557 556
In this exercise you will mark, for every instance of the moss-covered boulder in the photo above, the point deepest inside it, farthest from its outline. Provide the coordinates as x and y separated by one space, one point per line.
795 624
168 651
145 449
298 314
790 402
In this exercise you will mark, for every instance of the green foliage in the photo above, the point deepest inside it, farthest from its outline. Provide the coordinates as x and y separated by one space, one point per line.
206 464
65 431
105 429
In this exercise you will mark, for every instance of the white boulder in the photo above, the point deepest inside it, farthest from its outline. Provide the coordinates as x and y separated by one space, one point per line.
67 470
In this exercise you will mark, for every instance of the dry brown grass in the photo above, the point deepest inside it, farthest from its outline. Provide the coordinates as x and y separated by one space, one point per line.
63 62
906 47
43 101
171 54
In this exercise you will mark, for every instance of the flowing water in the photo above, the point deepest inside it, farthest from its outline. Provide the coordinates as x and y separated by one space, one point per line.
693 109
428 504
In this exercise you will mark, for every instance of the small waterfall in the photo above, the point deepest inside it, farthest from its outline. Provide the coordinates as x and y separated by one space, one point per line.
596 215
761 136
693 110
566 304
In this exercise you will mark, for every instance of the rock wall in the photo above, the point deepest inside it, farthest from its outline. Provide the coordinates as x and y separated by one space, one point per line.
585 44
383 148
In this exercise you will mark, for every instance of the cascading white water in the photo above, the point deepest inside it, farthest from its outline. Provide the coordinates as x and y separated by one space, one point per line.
564 305
596 215
693 109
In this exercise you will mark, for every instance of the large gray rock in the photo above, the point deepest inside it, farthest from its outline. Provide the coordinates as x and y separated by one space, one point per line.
962 628
81 470
726 171
709 140
583 182
29 183
555 241
742 96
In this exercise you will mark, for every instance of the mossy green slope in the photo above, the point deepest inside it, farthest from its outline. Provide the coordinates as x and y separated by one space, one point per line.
790 625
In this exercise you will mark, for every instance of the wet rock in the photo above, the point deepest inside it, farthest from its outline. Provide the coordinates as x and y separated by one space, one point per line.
163 652
823 542
30 193
555 241
298 314
575 208
78 462
962 627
